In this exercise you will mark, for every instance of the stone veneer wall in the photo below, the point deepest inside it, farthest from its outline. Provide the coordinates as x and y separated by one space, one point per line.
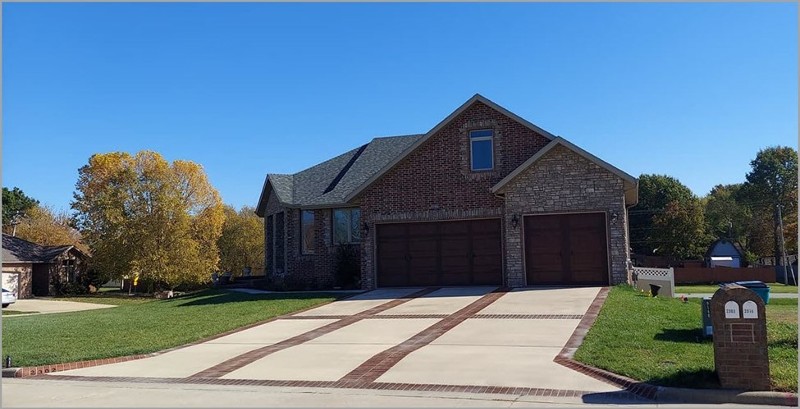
559 182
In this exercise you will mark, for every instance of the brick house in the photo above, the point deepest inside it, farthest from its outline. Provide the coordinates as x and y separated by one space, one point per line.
30 269
483 198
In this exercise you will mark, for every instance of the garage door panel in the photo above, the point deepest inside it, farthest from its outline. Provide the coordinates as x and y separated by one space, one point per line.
452 278
389 231
441 253
423 280
457 229
566 249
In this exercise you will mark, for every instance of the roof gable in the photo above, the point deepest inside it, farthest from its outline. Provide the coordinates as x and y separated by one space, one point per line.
328 183
17 250
630 182
475 99
723 247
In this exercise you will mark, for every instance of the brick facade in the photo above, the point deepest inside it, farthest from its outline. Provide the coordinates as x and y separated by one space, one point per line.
302 271
435 183
741 357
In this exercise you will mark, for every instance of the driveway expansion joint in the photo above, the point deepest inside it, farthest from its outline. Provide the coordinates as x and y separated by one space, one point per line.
379 364
237 362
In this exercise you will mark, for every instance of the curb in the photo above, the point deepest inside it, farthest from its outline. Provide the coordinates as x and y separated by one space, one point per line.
11 372
686 395
660 394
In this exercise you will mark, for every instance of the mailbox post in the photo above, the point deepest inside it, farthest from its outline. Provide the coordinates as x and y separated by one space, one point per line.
740 338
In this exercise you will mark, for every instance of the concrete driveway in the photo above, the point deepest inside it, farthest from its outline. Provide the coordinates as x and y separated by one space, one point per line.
47 306
471 339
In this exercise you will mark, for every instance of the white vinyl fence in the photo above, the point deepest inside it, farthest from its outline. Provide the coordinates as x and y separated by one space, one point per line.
665 277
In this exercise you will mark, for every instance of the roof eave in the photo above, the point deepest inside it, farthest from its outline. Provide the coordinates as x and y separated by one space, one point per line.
261 207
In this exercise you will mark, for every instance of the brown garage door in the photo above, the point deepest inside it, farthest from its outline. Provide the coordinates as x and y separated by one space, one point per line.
442 253
566 249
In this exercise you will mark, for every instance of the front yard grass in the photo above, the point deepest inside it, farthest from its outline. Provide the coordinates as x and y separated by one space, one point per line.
659 340
15 312
712 288
141 327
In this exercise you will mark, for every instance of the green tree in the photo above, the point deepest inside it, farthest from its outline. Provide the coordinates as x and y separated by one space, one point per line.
726 215
668 220
141 215
241 244
14 201
772 183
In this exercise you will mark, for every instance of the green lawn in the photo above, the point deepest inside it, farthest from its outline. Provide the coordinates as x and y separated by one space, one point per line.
13 312
108 299
703 288
136 327
659 340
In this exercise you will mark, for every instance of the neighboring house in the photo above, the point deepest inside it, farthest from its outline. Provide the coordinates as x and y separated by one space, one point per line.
32 269
724 253
483 198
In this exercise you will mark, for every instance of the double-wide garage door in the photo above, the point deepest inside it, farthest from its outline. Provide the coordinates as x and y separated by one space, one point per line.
464 252
566 249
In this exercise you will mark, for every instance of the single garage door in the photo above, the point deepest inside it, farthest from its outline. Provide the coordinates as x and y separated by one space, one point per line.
11 282
464 252
566 249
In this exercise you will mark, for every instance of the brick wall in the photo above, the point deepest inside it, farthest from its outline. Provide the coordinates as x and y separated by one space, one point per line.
563 181
24 274
435 182
302 271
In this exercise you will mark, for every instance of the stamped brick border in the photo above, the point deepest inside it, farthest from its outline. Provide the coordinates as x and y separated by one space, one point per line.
230 365
379 364
654 392
389 386
26 371
565 357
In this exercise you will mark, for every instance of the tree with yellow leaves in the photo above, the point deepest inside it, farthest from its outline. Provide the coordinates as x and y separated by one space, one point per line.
40 224
143 216
242 242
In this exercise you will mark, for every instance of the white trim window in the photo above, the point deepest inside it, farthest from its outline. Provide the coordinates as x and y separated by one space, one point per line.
307 232
481 147
346 226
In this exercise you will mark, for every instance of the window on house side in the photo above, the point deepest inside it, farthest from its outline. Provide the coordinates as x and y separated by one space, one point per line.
482 149
307 232
279 237
346 226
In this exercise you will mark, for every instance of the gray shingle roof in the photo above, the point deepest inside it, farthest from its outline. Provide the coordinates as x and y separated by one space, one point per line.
17 250
328 183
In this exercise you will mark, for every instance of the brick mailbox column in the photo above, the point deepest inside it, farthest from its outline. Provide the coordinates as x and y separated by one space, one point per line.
740 338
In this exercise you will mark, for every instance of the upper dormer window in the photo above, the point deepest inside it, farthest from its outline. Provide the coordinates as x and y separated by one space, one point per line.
482 149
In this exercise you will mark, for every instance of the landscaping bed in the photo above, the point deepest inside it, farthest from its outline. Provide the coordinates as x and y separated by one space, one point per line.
140 326
659 341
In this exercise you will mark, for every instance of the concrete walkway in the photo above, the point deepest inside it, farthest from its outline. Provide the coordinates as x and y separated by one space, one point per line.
771 295
473 342
47 306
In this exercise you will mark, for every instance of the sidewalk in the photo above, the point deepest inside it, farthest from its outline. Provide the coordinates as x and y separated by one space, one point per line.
701 295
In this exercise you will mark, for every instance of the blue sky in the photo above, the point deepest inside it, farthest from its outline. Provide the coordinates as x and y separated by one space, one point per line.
688 90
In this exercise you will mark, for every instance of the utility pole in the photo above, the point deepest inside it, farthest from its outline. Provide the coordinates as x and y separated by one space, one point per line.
14 223
784 258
